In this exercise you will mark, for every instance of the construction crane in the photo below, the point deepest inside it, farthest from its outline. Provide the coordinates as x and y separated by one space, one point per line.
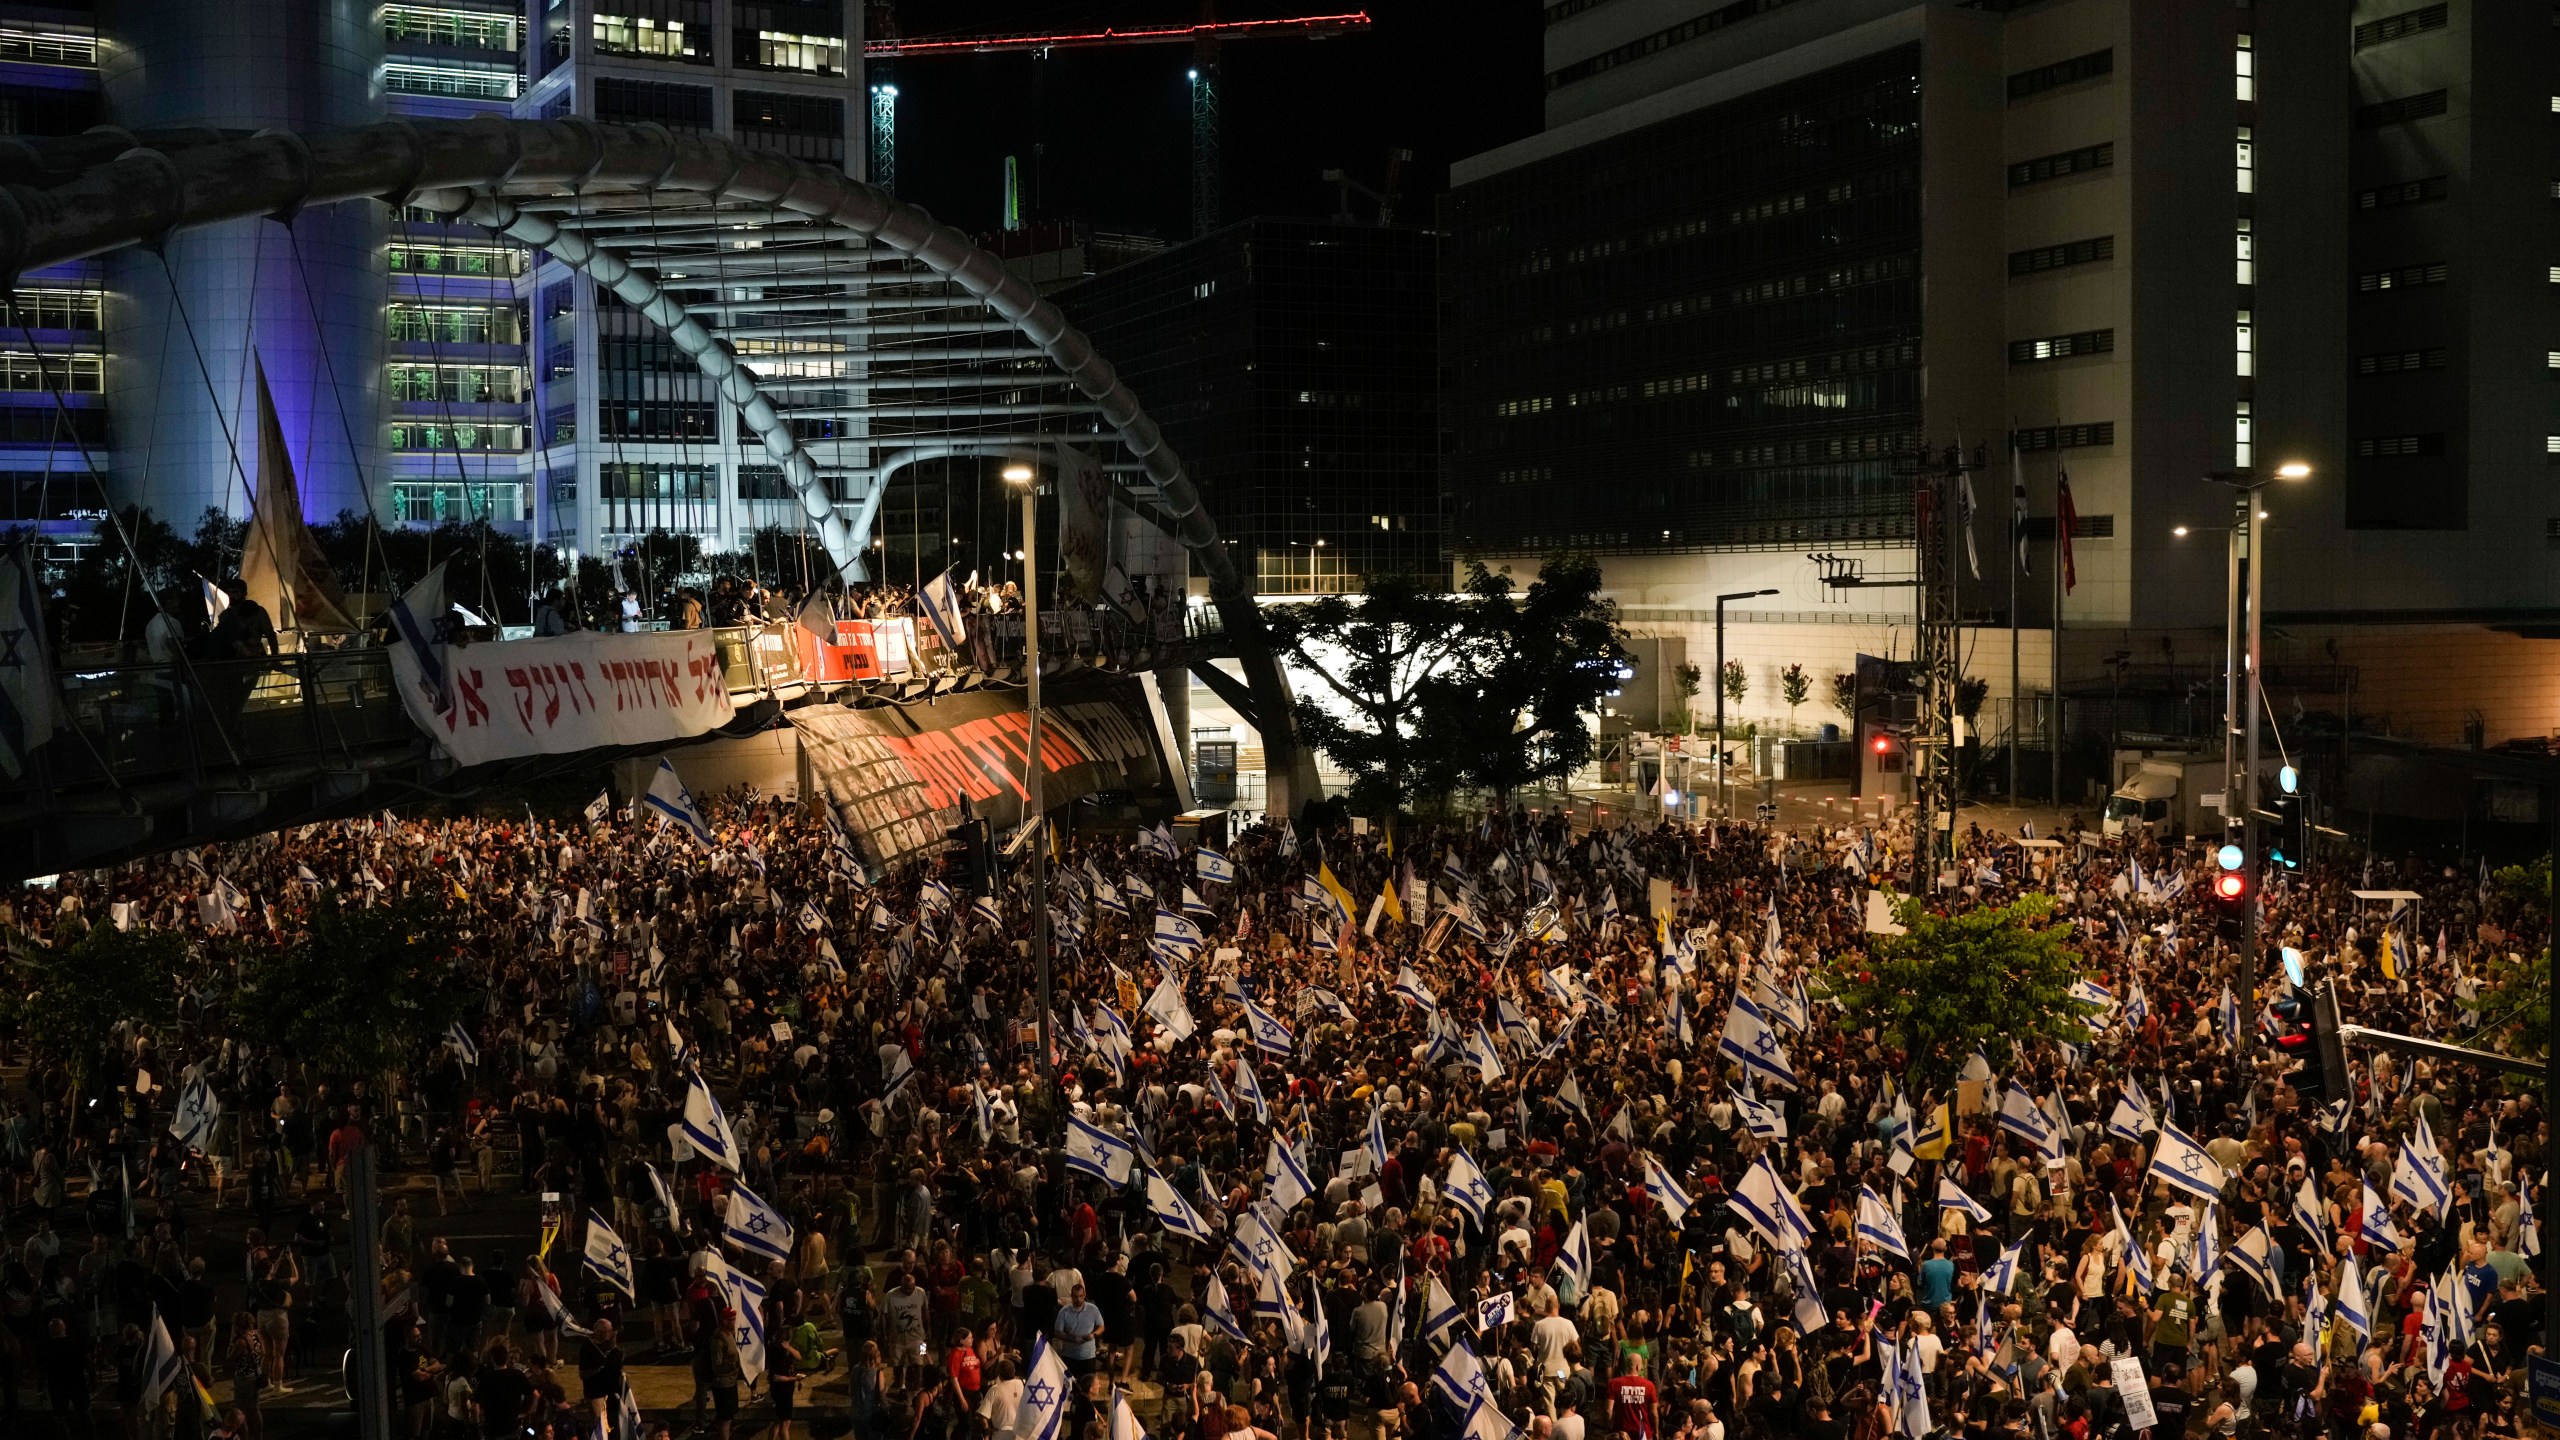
882 44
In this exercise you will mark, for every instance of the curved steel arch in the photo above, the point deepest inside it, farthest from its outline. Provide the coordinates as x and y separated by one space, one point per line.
113 189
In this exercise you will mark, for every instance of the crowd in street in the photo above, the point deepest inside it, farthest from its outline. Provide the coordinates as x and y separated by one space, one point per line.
1494 1129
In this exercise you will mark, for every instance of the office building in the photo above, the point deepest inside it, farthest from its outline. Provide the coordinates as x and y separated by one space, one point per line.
1292 364
1763 252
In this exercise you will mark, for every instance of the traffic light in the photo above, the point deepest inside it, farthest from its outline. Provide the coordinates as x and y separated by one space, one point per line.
973 856
2289 1027
2230 894
2289 837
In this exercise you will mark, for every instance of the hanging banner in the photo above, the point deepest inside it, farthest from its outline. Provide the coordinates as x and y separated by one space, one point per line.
881 649
900 776
563 693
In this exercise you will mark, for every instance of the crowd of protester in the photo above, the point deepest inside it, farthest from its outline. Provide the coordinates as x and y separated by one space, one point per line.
1360 1030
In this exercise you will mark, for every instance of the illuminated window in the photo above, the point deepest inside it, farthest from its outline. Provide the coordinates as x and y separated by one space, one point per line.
2248 162
2241 348
449 80
2240 447
814 54
2248 269
2246 60
658 39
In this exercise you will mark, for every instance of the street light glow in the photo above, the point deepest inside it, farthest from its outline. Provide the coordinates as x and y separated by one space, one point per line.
1017 474
2180 532
2293 470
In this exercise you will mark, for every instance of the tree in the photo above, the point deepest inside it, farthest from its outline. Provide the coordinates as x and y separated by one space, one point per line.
82 988
363 991
1737 682
1793 686
1844 695
1532 666
1988 980
2514 1000
1372 659
1691 680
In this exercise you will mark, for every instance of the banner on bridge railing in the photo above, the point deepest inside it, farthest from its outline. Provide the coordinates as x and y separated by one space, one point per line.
899 776
509 699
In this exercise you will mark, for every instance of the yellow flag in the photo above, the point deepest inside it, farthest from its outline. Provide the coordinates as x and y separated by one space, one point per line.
2390 958
1937 1128
1333 887
1387 897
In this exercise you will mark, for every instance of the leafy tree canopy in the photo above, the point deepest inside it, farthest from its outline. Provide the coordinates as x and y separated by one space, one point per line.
1994 980
79 991
363 991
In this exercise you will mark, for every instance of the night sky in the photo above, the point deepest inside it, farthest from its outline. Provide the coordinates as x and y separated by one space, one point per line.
1442 78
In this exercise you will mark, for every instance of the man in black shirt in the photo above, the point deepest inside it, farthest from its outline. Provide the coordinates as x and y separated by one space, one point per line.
600 1374
502 1389
2169 1399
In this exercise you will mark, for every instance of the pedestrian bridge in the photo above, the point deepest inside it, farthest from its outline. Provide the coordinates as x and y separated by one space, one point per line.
146 759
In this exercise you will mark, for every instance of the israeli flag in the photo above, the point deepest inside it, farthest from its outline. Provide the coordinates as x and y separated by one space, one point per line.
2528 1231
2182 1164
1167 1006
1878 1226
1665 1190
674 803
1219 1311
1195 908
754 1226
2350 1306
1764 1202
608 1258
1286 1176
2132 1118
2374 1223
940 602
1377 1139
1460 1376
1810 1316
2229 1012
1098 1153
1258 1244
1952 1196
2418 1177
1213 866
2021 1116
1410 989
745 1298
1269 1035
2311 1213
706 1129
1765 1121
2137 1259
2092 994
162 1366
1481 1054
1046 1393
666 1197
1124 1421
1172 1211
1177 935
463 1045
1749 1040
1440 1313
2253 1255
1573 1263
2002 1275
197 1112
1466 1187
1248 1088
2208 1247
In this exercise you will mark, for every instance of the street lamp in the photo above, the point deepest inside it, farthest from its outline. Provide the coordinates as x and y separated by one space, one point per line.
2241 697
1022 477
1724 791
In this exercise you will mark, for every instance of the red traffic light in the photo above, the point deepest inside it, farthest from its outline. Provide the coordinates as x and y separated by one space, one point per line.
1883 744
2229 884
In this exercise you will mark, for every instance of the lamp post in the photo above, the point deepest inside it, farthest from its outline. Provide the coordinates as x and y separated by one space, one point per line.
1724 791
1024 478
2242 687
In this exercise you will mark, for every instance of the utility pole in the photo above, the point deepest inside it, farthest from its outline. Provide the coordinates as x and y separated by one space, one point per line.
1033 790
1939 529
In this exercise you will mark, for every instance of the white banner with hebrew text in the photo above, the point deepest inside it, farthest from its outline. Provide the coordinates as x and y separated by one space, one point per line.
509 699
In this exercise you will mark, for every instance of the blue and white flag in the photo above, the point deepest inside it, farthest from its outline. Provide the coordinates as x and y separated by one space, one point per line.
1176 935
2132 1117
2181 1164
744 1298
1440 1313
608 1258
463 1045
2311 1212
1269 1035
674 803
1249 1090
1466 1187
1748 1039
1213 866
2136 1258
1196 909
1762 1199
2228 1013
1046 1394
198 1110
940 602
2418 1176
1460 1377
1573 1264
1098 1153
1878 1225
2253 1255
2208 1247
1286 1176
2001 1276
1665 1190
666 1197
705 1128
1377 1140
2374 1223
2349 1307
754 1226
1410 989
1480 1053
1219 1311
1173 1212
2092 994
1764 1120
1952 1196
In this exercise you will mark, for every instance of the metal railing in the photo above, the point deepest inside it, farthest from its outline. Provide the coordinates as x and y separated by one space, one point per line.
133 725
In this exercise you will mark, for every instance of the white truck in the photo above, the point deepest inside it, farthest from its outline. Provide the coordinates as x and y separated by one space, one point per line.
2166 797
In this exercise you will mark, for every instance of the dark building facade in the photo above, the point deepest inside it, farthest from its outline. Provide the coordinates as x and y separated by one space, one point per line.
1293 364
1703 332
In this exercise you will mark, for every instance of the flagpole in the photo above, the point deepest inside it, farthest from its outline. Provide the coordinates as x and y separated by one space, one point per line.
2017 507
2053 694
1027 478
